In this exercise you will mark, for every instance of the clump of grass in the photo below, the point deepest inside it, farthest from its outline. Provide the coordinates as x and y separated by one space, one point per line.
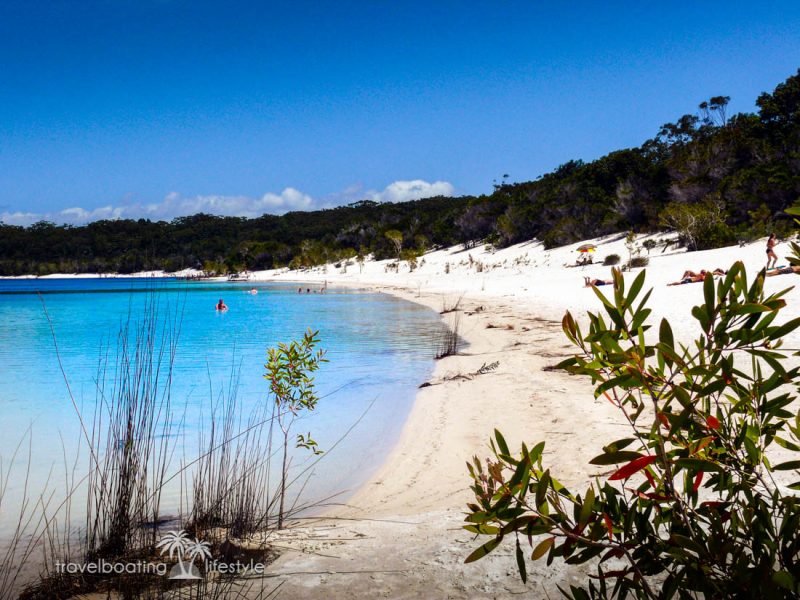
449 340
130 437
611 259
450 304
638 261
231 479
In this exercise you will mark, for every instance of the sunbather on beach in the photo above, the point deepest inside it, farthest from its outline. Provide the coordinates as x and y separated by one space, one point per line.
596 282
783 270
690 277
703 273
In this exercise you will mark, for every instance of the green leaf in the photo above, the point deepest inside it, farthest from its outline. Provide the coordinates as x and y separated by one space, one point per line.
788 466
483 550
784 579
787 444
523 573
613 458
501 442
587 508
636 287
698 464
542 548
542 487
579 593
751 308
708 294
536 453
523 468
688 543
482 529
784 329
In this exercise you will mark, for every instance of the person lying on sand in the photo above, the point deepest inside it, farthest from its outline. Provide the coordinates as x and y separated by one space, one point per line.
596 282
702 273
783 270
692 277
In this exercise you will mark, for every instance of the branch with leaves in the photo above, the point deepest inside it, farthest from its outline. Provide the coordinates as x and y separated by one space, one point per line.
289 371
693 506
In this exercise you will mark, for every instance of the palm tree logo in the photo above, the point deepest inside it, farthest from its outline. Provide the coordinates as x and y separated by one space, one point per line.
180 544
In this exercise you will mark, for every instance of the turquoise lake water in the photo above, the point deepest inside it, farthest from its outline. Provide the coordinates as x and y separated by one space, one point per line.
380 349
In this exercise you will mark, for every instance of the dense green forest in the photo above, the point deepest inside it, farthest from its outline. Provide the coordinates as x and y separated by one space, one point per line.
714 178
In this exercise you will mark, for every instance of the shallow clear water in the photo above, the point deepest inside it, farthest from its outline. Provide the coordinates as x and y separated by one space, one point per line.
380 348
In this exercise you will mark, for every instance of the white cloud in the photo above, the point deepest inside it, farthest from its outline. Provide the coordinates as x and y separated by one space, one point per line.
402 191
175 205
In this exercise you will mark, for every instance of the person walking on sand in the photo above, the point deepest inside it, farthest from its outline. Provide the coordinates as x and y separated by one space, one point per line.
771 256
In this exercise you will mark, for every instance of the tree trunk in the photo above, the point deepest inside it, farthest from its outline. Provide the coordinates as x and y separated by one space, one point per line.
283 477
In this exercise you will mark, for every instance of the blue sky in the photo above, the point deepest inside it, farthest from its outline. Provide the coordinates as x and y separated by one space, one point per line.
164 107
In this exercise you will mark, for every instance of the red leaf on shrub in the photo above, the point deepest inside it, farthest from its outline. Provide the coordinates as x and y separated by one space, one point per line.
703 443
650 496
637 464
664 420
712 422
609 526
610 399
650 479
697 481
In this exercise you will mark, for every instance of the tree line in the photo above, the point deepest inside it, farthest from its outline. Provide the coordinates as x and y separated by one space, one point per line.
712 177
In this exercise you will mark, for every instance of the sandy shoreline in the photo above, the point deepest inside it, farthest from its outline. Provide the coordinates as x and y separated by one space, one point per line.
402 536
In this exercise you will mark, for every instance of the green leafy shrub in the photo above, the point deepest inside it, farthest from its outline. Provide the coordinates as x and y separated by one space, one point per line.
693 504
699 226
288 370
649 244
611 260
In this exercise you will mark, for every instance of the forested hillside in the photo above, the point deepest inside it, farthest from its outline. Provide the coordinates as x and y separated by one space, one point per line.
714 178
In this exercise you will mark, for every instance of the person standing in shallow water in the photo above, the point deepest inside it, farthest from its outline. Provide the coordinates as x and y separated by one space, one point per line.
772 241
221 306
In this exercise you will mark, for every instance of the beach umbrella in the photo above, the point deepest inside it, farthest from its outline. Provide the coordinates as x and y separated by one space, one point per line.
587 248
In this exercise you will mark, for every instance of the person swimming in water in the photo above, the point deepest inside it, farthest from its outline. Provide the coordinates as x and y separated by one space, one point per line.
221 306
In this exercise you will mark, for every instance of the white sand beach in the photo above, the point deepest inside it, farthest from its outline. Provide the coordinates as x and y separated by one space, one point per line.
400 535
